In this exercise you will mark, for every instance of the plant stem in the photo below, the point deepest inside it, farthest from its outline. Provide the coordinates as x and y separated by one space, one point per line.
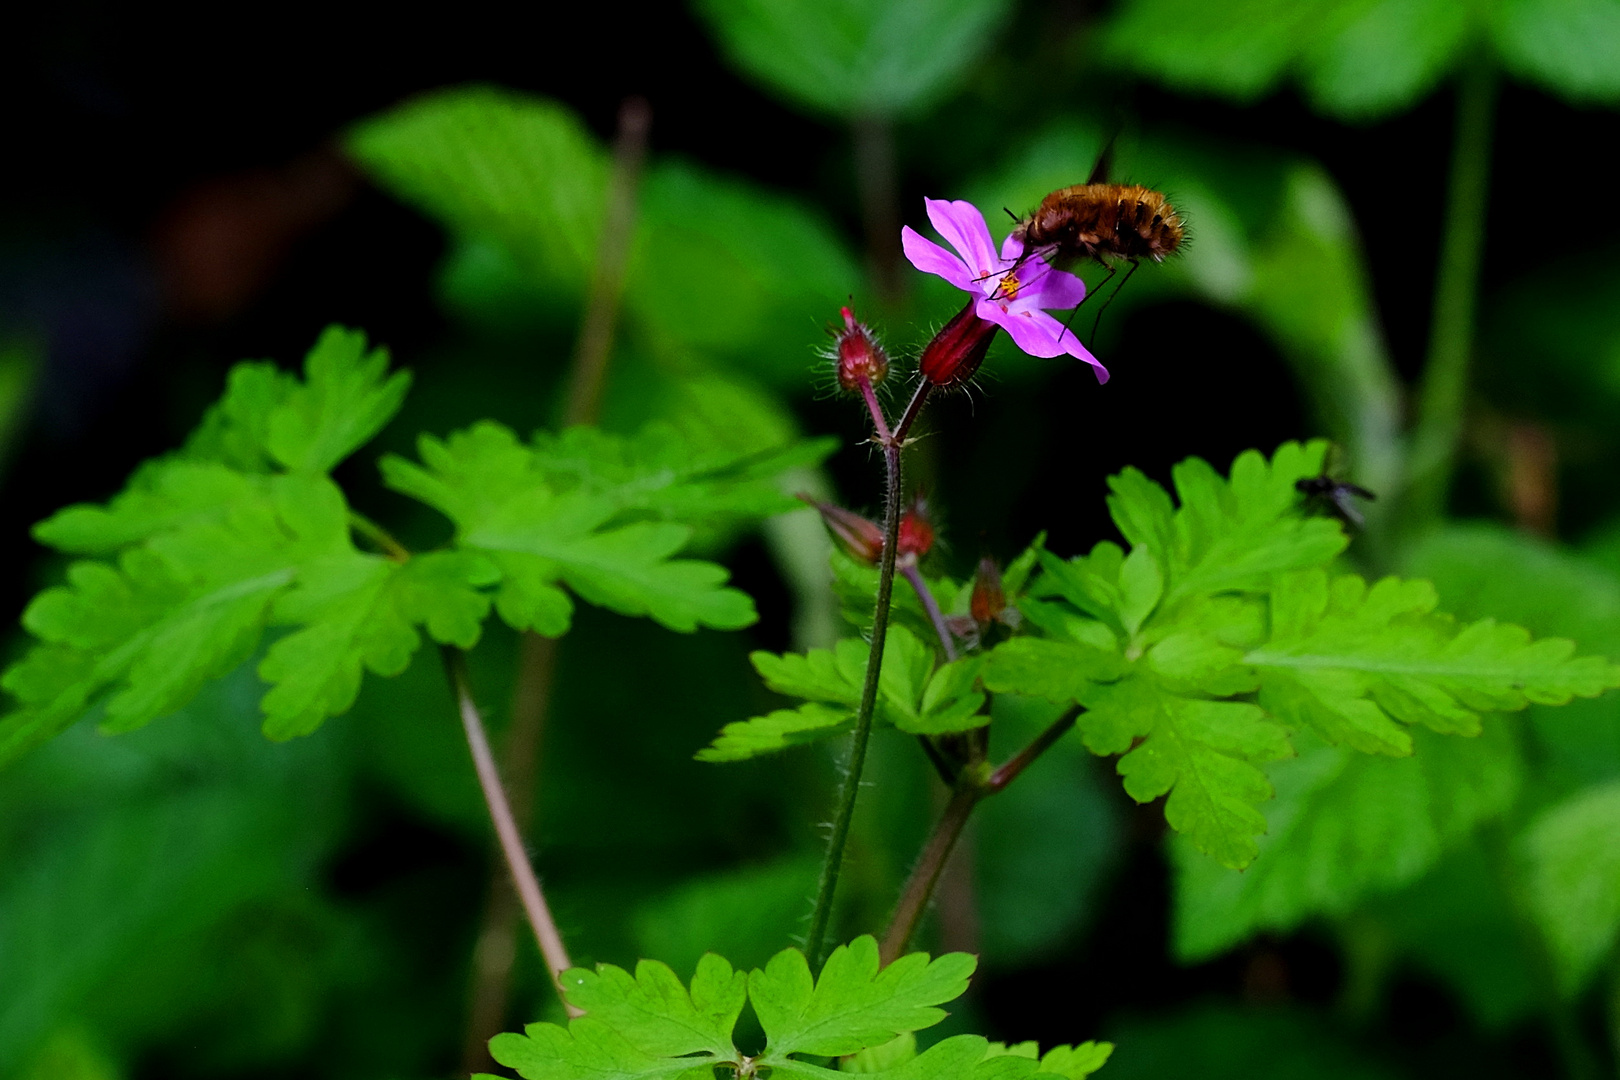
1006 774
537 655
839 838
930 605
544 926
930 864
832 864
595 343
880 423
379 536
1443 395
971 787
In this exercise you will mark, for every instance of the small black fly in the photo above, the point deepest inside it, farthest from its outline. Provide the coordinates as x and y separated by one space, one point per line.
1332 495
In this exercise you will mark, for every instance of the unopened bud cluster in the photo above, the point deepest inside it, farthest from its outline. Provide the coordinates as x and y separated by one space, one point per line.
862 539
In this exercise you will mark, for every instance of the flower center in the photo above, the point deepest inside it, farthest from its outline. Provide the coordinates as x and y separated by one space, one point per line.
1008 287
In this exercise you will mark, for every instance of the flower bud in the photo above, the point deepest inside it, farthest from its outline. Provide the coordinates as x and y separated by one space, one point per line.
859 356
916 530
988 600
958 349
862 540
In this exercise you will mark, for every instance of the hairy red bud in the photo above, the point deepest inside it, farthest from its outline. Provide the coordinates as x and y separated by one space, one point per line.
861 539
859 356
989 600
916 530
958 349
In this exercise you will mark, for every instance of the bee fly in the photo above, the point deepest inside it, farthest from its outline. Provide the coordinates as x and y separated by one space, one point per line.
1103 223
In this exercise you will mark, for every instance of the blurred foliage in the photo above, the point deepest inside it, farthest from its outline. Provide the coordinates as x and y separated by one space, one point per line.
857 58
1365 59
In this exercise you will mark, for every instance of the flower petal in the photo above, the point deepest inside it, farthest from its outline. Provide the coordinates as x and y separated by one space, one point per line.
930 258
1039 334
1047 287
963 227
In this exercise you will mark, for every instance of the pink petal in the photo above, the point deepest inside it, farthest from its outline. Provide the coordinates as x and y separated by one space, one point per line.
1039 334
963 227
1039 284
1046 287
930 258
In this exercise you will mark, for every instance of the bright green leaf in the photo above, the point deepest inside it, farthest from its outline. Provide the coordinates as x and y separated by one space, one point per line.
853 1005
1344 826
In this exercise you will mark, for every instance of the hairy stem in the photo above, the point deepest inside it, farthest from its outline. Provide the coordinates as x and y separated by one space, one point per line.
815 937
1443 395
930 605
537 655
832 864
971 787
930 864
544 926
880 423
1039 745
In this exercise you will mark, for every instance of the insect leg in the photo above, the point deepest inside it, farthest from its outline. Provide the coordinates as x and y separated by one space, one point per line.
1098 321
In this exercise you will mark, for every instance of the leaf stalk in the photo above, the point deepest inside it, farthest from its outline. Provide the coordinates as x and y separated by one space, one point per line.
546 934
1443 395
972 786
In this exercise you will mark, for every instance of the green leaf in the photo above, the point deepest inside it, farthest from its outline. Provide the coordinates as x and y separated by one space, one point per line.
1076 1062
856 57
1350 661
913 696
658 1015
1204 754
241 531
587 1048
1234 535
1344 826
1567 46
269 418
1384 56
1573 881
649 1025
343 401
360 611
520 170
1240 50
777 731
852 1005
508 506
1056 670
777 259
662 472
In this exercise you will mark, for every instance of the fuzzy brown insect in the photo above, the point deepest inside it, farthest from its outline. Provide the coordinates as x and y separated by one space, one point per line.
1103 221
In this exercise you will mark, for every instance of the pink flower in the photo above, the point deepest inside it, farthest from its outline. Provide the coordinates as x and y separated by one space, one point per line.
1009 290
